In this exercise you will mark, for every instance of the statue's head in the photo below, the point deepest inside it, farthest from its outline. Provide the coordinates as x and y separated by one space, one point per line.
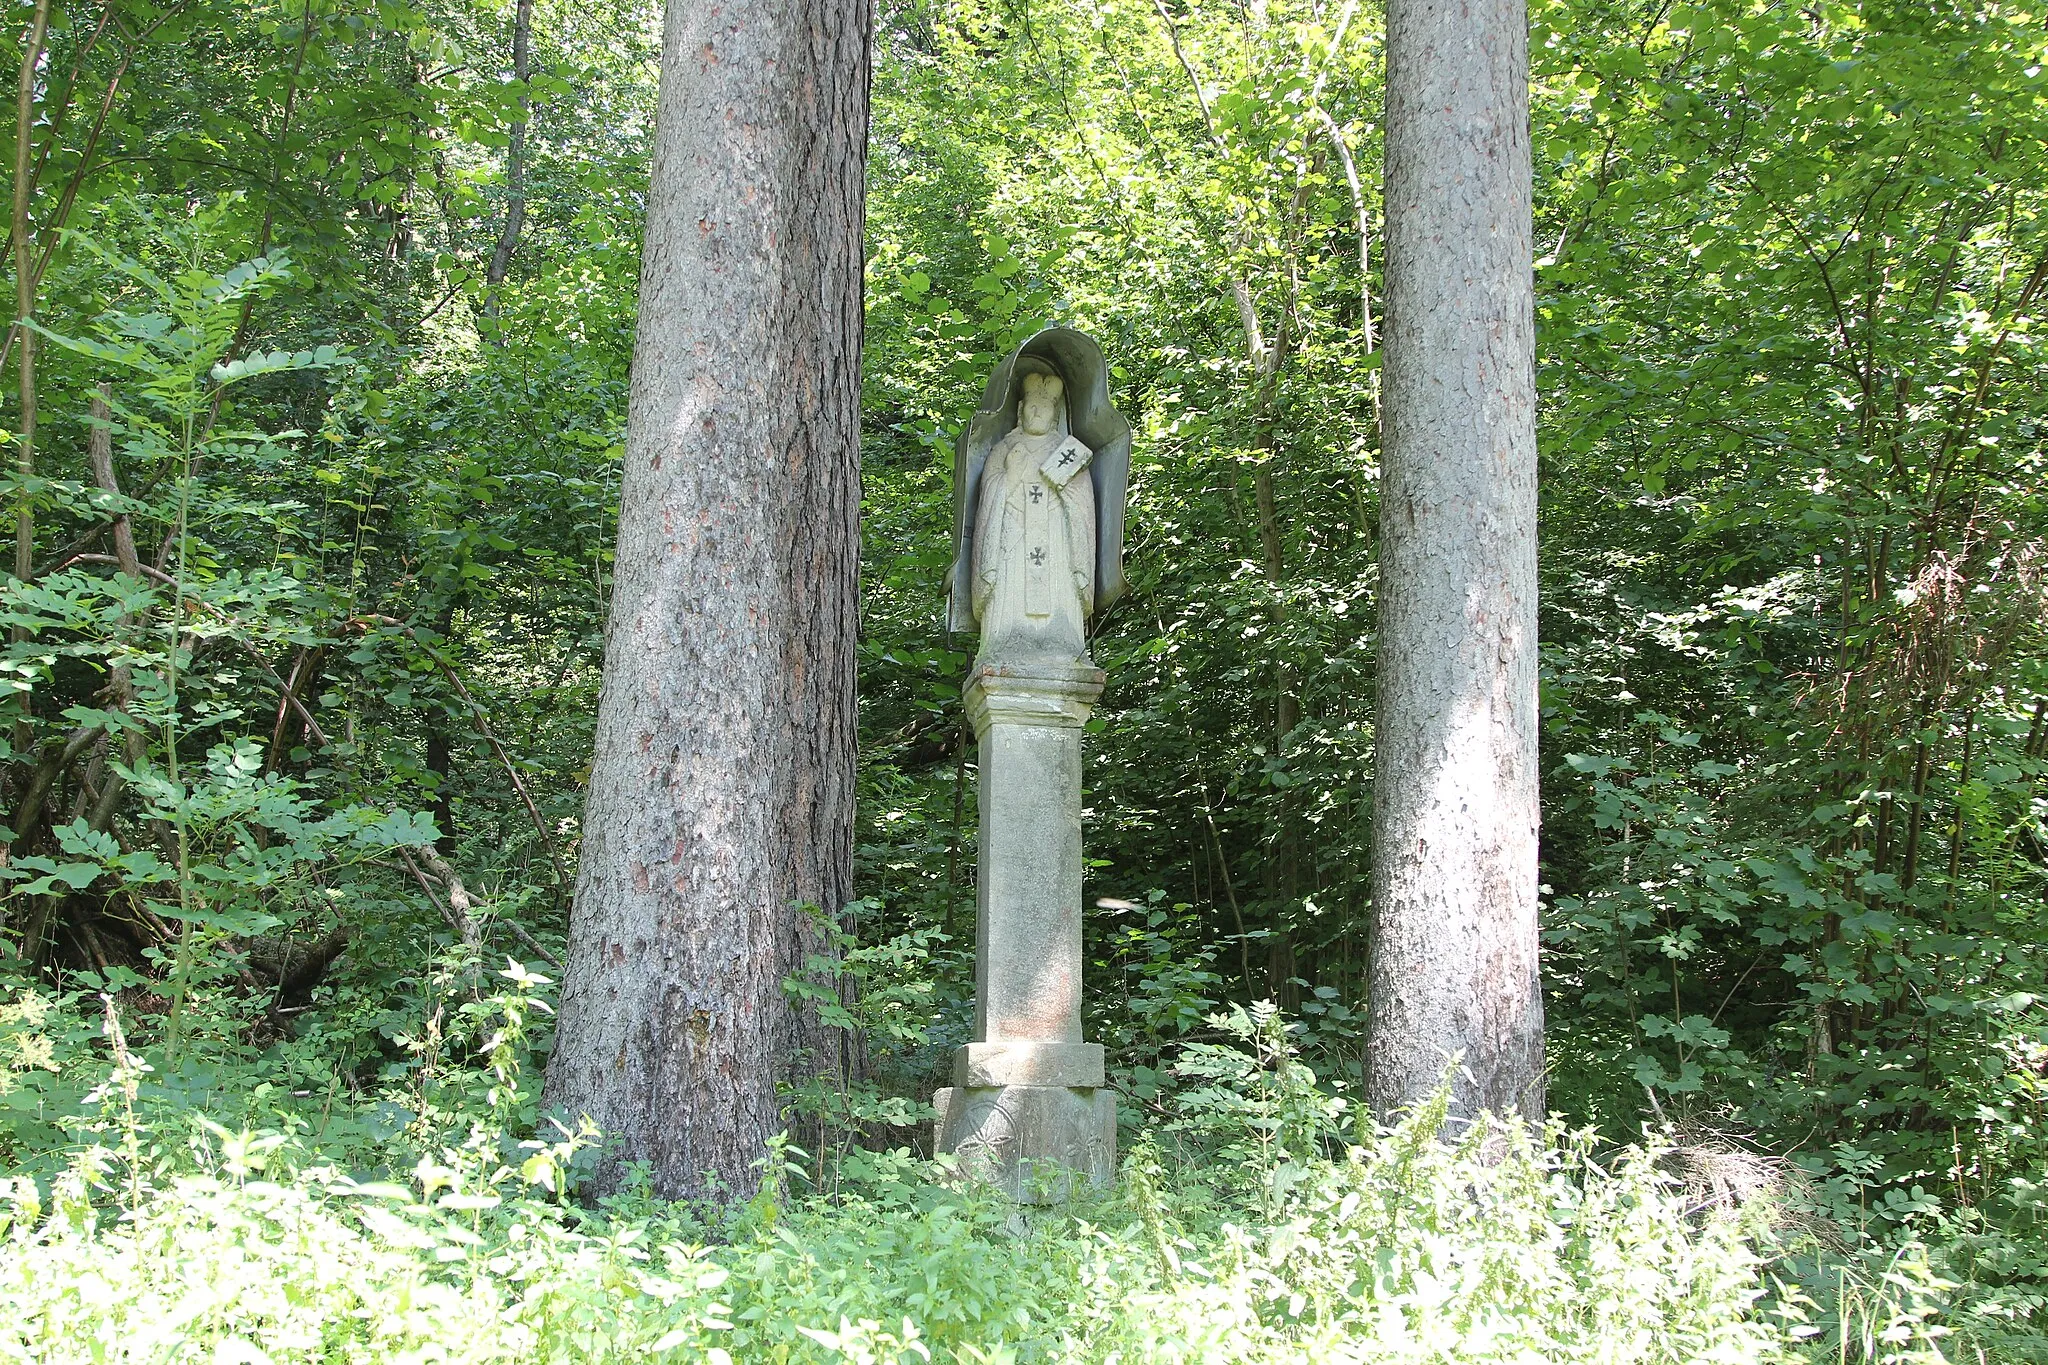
1039 409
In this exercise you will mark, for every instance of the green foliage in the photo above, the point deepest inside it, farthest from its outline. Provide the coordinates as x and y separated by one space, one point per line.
1395 1245
1793 534
880 997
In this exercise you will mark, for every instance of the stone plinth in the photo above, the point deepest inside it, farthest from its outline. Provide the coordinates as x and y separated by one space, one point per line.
1026 1109
1043 1144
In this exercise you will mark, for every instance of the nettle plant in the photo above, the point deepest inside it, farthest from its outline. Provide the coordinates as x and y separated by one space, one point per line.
1252 1104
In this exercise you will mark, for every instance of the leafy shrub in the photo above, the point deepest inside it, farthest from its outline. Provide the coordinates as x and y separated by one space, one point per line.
1274 1234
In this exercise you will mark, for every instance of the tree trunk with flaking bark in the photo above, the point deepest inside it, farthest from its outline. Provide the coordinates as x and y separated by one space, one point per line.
721 794
1454 958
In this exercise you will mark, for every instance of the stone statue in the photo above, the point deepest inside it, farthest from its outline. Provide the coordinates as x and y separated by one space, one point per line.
1034 542
1032 570
1038 552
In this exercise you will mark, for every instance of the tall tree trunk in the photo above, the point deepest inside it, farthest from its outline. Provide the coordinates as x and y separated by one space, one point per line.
721 794
1454 965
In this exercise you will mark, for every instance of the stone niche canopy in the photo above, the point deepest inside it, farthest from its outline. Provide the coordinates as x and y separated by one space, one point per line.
1078 361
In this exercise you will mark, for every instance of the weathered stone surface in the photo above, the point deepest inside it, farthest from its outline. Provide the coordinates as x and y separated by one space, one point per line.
1039 691
1034 551
1093 424
1027 973
1041 1143
981 1065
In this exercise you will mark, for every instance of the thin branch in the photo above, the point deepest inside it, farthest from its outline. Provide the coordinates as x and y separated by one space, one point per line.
1173 36
1364 226
99 454
1827 280
53 122
483 726
515 158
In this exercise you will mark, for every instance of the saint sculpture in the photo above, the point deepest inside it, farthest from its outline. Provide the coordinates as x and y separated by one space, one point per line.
1034 538
1038 555
1045 422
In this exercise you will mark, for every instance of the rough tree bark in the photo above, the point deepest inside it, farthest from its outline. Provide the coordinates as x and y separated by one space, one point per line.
1455 800
721 794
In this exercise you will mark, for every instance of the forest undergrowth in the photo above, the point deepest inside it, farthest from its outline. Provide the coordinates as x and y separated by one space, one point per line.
1256 1218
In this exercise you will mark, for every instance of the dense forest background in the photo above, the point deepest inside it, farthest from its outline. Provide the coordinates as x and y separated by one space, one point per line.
317 422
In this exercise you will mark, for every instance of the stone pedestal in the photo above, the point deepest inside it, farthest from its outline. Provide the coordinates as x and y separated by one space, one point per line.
1026 1109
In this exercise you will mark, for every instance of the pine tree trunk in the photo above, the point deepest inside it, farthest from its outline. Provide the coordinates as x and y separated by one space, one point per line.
721 794
1454 965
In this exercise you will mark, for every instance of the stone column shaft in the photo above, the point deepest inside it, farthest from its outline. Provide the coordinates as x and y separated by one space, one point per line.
1027 961
1027 1109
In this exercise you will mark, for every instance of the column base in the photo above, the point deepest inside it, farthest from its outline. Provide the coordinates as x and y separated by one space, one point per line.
1043 1144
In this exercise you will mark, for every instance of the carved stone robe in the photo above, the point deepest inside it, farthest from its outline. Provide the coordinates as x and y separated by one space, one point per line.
1034 550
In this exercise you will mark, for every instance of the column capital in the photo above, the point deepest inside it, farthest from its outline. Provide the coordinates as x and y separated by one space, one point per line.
1053 693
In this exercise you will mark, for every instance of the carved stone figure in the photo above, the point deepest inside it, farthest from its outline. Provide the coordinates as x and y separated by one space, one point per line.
1051 391
1038 551
1034 543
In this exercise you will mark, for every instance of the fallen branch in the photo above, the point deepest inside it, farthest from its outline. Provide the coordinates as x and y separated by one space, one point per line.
457 921
459 899
294 969
459 908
